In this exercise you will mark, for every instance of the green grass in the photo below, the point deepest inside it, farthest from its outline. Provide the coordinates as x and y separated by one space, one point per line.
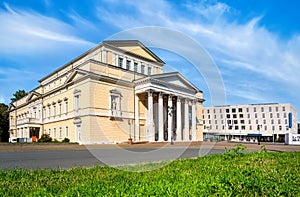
253 174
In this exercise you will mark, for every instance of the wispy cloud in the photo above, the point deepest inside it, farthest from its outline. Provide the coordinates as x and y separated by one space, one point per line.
31 32
246 48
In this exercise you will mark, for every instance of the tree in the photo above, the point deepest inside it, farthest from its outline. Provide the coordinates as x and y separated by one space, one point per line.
4 122
18 95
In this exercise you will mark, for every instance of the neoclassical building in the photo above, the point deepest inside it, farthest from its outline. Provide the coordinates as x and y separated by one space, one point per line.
114 92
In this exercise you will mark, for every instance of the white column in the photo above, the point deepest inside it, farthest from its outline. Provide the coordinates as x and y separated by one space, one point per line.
194 120
124 62
186 121
160 118
150 133
178 118
170 117
137 124
116 60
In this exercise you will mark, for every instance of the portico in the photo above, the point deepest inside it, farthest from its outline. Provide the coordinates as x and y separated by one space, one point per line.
170 108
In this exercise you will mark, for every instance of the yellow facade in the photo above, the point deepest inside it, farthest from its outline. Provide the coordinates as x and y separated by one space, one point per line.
100 97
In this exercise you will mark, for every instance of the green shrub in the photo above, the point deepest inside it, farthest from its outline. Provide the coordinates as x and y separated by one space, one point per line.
66 140
45 138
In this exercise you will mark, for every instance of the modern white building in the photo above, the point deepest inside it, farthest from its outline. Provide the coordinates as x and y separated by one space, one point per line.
271 121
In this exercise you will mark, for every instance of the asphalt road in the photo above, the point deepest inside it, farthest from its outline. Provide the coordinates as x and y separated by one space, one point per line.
65 156
65 159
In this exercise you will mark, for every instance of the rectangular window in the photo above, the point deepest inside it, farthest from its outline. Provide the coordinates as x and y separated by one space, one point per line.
143 69
271 115
254 109
264 121
54 132
228 116
60 132
234 115
214 111
66 107
262 109
242 121
76 102
54 110
278 115
216 122
250 127
272 121
283 108
247 110
266 127
120 63
235 122
215 116
279 122
255 115
227 110
236 127
270 109
149 70
248 115
241 115
220 111
44 112
128 62
263 115
49 131
280 127
67 132
276 109
284 115
243 127
233 110
135 67
59 109
49 112
240 109
273 128
221 116
285 121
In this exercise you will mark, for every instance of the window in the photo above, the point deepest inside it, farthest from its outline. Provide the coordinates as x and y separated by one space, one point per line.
254 109
208 116
115 103
283 108
262 109
227 110
60 132
228 116
44 112
272 121
135 67
264 121
285 121
242 121
54 110
276 108
216 122
280 128
247 109
240 109
234 115
235 122
214 111
236 127
273 128
279 122
54 132
49 111
67 132
256 121
120 63
49 132
284 115
263 115
271 115
128 62
270 109
233 110
220 110
66 107
149 70
248 115
243 127
221 116
278 115
255 115
143 69
59 109
241 115
76 102
266 127
250 127
249 121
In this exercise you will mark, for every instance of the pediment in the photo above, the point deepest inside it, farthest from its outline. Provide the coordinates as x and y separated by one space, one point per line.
33 96
74 76
175 79
134 47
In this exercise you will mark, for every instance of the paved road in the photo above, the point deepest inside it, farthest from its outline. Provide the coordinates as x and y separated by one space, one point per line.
69 156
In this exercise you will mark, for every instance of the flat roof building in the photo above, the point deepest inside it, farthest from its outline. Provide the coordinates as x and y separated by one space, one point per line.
244 122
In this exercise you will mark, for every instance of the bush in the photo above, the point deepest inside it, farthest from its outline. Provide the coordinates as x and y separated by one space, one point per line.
45 138
66 140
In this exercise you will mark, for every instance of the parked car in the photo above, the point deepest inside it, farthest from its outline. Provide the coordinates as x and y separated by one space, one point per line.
13 140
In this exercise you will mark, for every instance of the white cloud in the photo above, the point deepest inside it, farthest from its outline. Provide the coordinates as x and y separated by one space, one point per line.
247 48
30 32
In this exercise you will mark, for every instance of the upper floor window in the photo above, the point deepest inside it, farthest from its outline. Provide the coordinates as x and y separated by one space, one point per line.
120 63
149 70
283 108
143 69
135 67
77 100
59 109
128 62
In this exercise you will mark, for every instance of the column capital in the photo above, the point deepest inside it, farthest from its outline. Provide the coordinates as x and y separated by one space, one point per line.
178 99
150 92
186 101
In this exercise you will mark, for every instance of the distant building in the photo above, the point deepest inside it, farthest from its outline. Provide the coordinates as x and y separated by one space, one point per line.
246 122
114 92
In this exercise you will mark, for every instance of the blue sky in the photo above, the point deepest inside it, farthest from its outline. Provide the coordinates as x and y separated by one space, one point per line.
254 43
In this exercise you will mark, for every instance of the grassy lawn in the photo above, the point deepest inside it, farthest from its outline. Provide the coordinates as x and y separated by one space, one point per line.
233 174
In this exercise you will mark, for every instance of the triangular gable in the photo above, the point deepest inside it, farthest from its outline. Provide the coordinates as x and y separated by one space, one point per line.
134 47
74 76
175 78
32 96
11 107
